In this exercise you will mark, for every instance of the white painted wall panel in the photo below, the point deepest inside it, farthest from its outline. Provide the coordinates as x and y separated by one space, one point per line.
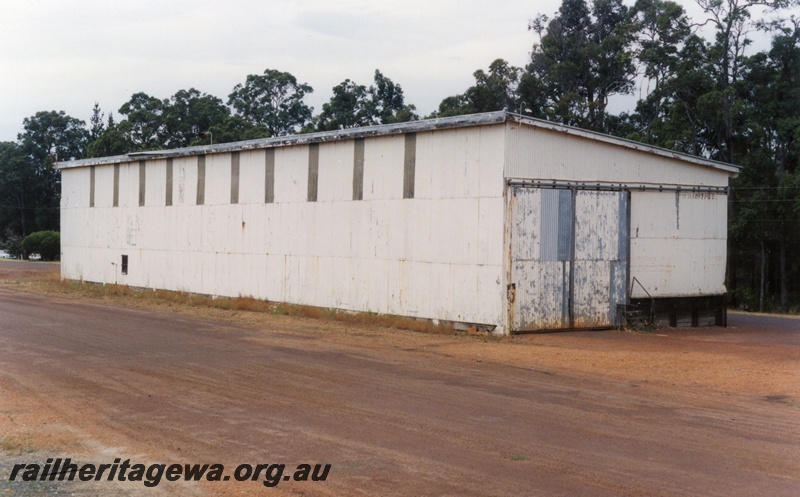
492 162
490 288
490 230
184 181
291 174
335 177
448 164
156 182
416 241
454 234
103 186
98 238
678 244
129 184
218 179
383 167
535 153
436 257
251 177
460 163
75 188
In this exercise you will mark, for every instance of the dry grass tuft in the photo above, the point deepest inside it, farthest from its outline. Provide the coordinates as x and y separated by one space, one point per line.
49 281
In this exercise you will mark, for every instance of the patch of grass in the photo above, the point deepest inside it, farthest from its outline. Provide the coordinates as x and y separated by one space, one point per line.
250 304
50 282
16 445
518 458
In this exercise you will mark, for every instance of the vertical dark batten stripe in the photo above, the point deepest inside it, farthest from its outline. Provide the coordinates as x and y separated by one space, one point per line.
549 226
409 165
91 186
573 199
624 228
116 185
269 176
566 225
313 171
234 177
169 182
358 170
201 179
142 181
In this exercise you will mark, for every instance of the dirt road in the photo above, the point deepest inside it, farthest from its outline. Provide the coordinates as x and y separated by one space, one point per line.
689 412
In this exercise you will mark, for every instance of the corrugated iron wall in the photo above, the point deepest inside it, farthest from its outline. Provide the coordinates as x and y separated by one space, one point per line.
569 258
677 238
256 223
415 224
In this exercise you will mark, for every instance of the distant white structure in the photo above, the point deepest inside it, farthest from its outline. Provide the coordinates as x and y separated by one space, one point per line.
496 220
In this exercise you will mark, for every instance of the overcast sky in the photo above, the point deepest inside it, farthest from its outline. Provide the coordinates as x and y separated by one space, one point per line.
67 55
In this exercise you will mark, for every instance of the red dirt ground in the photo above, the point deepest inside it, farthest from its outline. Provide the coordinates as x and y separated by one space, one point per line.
709 411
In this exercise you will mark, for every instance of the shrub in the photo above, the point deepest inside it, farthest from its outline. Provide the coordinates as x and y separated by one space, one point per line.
45 243
12 243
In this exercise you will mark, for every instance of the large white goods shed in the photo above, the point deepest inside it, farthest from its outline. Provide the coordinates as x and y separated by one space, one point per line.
492 220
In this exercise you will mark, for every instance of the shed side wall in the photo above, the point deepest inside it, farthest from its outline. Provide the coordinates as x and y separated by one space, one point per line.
437 256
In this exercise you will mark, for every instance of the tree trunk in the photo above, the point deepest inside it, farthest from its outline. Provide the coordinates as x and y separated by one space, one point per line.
762 287
784 277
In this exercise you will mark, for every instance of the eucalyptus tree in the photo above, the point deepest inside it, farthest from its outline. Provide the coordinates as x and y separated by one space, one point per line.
273 100
494 90
144 123
354 105
765 219
188 113
583 57
48 137
19 187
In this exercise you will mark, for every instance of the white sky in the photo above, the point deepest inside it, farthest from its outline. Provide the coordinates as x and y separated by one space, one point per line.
67 55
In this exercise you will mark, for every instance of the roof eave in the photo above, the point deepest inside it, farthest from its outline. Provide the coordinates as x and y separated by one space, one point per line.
301 139
483 119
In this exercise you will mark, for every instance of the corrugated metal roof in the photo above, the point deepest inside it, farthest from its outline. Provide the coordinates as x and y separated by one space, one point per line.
484 119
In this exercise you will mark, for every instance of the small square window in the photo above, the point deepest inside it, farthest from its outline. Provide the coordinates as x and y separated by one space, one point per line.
124 264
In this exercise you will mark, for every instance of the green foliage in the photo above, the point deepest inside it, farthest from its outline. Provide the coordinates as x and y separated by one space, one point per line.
273 100
231 129
111 140
17 188
353 105
152 124
492 91
583 58
48 137
45 243
389 102
12 243
349 107
456 105
144 122
189 113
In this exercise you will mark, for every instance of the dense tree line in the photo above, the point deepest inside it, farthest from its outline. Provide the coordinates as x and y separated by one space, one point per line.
708 97
265 105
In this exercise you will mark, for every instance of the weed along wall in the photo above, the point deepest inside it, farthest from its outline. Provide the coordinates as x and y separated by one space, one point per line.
446 219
